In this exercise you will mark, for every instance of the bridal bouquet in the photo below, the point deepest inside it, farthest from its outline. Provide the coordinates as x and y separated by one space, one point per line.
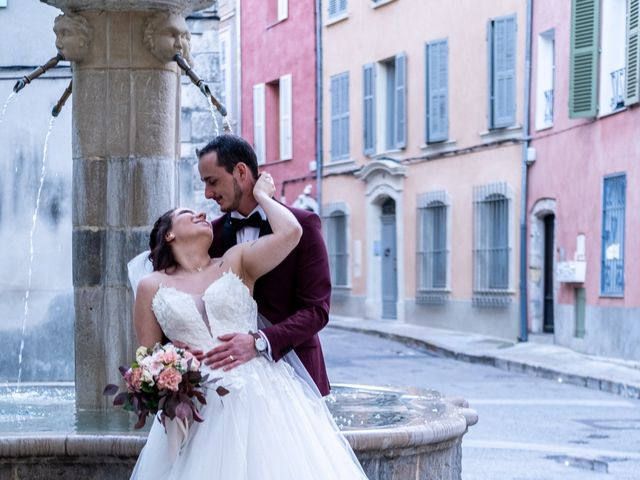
164 379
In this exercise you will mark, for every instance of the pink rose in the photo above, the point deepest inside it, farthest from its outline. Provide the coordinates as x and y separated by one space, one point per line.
169 357
195 364
170 378
133 377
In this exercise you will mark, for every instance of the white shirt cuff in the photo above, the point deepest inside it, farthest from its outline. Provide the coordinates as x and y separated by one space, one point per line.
267 352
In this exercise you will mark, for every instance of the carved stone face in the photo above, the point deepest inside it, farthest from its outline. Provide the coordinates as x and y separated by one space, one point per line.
73 36
167 34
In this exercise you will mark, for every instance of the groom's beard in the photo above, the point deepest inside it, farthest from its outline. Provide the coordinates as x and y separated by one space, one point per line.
237 197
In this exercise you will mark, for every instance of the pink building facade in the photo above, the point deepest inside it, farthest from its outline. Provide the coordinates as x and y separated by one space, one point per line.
278 90
583 246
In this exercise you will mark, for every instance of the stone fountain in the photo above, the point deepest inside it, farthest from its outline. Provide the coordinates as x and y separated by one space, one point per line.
126 114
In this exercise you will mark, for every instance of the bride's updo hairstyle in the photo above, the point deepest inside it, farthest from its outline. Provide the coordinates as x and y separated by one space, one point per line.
161 256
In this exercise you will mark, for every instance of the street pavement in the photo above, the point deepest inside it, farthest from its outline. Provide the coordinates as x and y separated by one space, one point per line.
529 427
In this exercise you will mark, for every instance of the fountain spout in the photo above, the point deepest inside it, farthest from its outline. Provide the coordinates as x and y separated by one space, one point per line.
20 84
63 99
198 82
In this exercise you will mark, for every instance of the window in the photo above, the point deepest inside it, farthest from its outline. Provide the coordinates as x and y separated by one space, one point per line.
336 228
337 7
437 81
273 122
613 210
3 3
433 250
502 72
612 56
545 80
492 245
384 97
340 116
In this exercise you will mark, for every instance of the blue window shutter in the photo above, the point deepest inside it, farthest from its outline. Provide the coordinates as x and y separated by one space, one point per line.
584 58
369 111
503 67
401 100
437 95
344 120
632 58
335 117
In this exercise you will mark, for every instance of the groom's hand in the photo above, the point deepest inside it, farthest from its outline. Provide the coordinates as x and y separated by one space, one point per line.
238 348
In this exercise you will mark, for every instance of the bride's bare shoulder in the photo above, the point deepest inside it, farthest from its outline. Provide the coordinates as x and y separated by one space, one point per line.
150 283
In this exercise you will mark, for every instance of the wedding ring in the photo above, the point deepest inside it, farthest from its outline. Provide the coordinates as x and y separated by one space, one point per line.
231 358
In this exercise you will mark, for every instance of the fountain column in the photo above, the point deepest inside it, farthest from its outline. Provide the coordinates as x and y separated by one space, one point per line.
126 148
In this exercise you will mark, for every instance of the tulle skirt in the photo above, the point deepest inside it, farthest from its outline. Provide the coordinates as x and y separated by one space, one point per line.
270 426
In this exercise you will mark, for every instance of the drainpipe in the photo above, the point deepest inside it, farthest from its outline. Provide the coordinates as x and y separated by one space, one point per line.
319 100
524 327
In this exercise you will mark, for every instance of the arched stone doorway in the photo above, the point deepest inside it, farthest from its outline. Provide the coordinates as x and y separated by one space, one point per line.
385 239
542 284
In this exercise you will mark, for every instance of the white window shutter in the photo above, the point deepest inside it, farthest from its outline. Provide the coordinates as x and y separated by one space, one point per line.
259 136
283 9
286 127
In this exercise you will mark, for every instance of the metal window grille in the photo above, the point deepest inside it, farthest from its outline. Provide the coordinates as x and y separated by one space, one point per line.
337 247
617 88
492 246
613 215
548 106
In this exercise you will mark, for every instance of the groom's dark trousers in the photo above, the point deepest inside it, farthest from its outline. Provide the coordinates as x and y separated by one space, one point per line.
294 296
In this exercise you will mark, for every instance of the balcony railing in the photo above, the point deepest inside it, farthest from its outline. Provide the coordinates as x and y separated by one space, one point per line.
548 106
617 89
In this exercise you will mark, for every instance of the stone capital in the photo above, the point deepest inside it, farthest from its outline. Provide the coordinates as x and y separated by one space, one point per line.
177 6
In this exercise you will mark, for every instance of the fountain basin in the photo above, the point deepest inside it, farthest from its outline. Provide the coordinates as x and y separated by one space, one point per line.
396 434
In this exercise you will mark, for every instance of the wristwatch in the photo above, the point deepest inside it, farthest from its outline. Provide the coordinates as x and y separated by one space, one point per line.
260 343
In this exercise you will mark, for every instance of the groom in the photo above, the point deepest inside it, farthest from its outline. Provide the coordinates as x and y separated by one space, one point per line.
294 297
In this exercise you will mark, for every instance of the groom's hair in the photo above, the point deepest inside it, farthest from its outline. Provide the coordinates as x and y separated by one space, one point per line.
231 150
160 254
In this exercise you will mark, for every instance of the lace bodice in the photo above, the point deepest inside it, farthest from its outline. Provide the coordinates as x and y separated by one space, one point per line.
228 303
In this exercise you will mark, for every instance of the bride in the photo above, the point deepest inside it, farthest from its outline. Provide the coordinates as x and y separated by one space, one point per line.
271 425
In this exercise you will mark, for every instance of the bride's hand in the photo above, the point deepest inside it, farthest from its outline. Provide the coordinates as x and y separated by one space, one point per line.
264 187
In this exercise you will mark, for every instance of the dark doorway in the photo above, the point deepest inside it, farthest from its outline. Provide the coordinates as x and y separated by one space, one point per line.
549 226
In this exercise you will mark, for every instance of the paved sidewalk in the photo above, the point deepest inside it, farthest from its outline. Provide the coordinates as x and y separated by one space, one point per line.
549 361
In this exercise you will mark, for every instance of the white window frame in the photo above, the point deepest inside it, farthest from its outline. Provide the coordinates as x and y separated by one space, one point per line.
613 41
259 123
285 87
283 9
545 80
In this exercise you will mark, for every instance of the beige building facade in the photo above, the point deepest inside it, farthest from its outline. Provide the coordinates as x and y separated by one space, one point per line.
423 125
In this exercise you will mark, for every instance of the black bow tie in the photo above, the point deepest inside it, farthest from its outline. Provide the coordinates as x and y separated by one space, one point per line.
254 220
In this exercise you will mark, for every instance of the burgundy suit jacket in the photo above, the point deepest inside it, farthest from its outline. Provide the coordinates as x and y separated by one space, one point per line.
294 296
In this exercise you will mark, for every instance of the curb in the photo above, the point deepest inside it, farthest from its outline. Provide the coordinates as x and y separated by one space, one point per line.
602 384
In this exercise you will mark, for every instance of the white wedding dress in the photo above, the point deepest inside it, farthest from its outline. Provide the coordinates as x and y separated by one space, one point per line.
267 427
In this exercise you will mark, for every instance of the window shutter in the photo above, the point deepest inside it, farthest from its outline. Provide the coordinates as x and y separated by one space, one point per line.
437 95
583 58
286 127
632 60
344 120
283 9
259 122
369 112
401 100
333 8
335 116
503 66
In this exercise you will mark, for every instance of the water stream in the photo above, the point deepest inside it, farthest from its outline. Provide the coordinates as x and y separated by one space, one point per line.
31 249
6 104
